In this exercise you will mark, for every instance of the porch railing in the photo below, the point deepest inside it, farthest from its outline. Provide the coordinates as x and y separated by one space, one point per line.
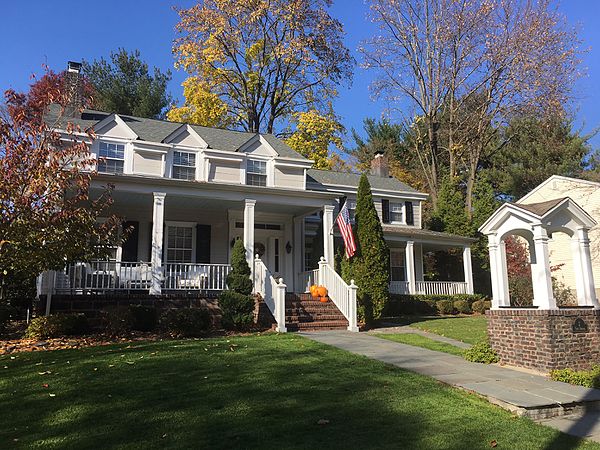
399 287
101 276
188 276
307 279
272 291
440 287
341 294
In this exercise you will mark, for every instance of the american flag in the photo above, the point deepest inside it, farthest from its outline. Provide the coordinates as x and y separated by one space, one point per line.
343 222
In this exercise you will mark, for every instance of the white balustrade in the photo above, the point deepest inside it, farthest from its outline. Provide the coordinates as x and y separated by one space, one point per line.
341 294
205 277
440 287
272 291
307 279
399 287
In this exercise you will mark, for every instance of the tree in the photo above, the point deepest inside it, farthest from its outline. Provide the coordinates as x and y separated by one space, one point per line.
534 150
236 303
125 85
264 59
238 280
314 134
370 265
470 66
48 217
450 215
201 106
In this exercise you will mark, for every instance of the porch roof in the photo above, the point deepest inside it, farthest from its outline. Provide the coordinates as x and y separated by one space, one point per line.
420 235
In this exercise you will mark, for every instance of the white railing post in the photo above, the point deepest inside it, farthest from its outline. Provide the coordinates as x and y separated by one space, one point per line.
280 306
352 320
322 269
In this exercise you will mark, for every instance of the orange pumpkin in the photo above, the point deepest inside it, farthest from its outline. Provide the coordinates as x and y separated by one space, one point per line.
323 299
322 291
313 290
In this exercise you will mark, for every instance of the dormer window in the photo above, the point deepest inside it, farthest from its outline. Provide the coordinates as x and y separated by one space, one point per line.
184 165
111 158
396 213
256 173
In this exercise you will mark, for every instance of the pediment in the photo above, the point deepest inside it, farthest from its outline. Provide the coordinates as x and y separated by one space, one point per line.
114 126
258 146
185 136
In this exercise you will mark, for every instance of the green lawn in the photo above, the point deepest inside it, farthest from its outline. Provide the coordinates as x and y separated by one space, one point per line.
264 391
421 341
469 329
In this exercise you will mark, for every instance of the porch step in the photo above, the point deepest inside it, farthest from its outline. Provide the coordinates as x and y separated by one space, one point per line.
304 313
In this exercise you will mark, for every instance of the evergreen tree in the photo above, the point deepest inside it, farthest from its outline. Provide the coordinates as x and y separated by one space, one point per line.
238 279
449 215
370 266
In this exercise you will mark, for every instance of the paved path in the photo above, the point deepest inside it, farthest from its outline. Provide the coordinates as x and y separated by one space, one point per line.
407 329
520 392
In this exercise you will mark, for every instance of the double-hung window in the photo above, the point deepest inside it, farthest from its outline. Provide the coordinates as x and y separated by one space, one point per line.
256 173
111 158
179 244
396 213
397 271
184 165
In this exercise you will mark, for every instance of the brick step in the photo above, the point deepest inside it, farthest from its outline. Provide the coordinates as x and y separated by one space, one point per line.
314 318
317 326
328 304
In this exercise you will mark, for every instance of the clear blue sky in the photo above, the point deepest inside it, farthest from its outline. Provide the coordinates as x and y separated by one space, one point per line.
37 32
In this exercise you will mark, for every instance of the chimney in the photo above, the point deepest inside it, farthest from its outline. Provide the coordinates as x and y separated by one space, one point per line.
73 88
379 165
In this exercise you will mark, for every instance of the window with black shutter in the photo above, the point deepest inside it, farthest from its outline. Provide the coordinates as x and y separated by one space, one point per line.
130 246
385 210
410 215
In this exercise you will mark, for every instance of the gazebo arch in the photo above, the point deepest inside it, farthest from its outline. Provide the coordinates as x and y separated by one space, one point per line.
536 222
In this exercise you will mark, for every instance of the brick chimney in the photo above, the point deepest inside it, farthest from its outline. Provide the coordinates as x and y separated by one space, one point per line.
73 88
379 165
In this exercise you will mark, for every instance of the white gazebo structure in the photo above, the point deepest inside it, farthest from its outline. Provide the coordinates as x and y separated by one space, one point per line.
536 223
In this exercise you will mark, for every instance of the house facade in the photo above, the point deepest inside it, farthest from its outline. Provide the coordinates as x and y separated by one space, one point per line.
587 195
187 192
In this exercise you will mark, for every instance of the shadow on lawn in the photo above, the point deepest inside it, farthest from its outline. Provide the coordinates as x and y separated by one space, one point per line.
262 392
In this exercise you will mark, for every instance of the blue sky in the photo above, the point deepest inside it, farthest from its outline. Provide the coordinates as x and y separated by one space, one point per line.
53 32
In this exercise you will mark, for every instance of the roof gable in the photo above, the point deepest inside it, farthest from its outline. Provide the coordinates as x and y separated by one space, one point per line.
185 135
114 126
256 145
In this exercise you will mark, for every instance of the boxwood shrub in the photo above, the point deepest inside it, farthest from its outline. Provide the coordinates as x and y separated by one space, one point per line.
56 325
462 306
430 304
482 352
481 306
237 310
186 322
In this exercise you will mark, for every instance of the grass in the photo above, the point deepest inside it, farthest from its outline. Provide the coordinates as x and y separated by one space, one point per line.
469 329
421 341
245 392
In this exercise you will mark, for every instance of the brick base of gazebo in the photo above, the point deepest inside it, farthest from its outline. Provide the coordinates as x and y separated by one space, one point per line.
545 340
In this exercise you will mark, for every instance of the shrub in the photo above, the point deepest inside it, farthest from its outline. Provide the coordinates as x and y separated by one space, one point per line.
588 378
426 304
462 306
186 322
481 306
237 310
238 279
482 352
5 315
56 325
143 318
445 307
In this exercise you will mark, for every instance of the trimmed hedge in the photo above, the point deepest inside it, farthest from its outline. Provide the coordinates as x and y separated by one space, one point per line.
400 305
481 306
237 310
186 322
57 325
482 352
588 378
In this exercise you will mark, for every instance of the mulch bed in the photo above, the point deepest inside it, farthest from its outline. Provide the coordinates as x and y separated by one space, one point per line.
14 343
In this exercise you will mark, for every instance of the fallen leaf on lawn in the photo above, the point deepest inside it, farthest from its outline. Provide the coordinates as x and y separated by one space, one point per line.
322 422
164 436
47 372
52 395
131 363
45 385
232 347
494 443
95 369
111 365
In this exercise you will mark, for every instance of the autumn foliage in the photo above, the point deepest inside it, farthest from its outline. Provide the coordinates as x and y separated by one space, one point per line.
47 216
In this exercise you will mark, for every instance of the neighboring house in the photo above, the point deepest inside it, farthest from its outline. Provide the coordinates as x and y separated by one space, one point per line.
187 192
587 195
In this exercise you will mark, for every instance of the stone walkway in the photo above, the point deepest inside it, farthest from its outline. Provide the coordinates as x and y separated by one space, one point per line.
407 329
572 409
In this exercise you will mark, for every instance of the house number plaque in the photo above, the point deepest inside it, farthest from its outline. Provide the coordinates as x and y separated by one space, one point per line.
579 326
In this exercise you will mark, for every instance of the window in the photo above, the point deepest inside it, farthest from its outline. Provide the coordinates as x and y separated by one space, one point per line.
179 244
397 265
256 173
184 165
351 209
112 158
396 213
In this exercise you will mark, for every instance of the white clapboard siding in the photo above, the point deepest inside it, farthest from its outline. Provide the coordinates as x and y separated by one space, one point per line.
147 163
224 171
289 177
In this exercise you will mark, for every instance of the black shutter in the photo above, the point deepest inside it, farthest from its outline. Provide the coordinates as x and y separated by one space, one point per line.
385 210
203 244
410 215
130 246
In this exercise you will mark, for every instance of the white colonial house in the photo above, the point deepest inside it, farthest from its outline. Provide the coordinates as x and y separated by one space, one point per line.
587 195
188 192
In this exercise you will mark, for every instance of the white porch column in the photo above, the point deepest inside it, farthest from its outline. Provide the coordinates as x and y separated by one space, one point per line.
249 230
409 257
158 219
328 234
498 272
587 274
298 250
543 297
468 268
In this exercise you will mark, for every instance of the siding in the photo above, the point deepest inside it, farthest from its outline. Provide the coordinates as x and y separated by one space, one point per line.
224 171
147 163
289 177
588 197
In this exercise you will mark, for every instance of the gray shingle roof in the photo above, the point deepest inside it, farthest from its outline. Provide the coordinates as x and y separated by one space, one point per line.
541 208
154 130
419 232
330 177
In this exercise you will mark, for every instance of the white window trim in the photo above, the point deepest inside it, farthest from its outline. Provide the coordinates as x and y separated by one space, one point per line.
403 259
168 224
127 152
402 211
199 162
270 169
